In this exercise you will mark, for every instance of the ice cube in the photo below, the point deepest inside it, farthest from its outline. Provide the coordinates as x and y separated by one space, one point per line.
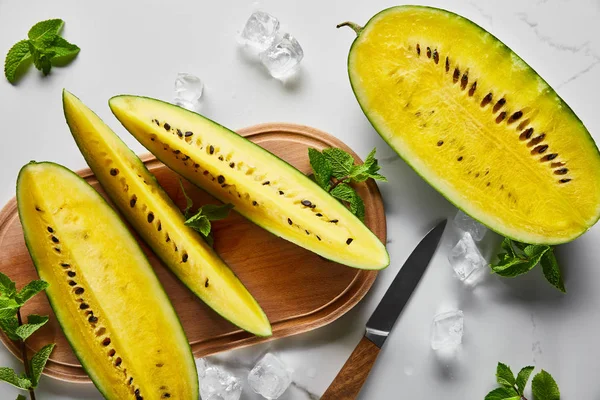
218 384
188 91
260 31
466 260
283 58
201 367
270 377
467 224
447 330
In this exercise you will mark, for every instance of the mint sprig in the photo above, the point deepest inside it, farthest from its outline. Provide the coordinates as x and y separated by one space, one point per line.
44 48
200 221
520 258
12 325
543 386
334 170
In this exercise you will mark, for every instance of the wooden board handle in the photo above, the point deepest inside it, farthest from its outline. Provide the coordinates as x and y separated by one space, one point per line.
354 373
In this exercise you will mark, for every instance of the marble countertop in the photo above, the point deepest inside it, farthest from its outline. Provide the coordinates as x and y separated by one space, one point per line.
139 46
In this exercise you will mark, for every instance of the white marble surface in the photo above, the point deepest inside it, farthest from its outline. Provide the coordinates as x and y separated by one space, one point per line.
139 46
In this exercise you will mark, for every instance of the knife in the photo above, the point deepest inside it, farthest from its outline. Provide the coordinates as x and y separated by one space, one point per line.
354 373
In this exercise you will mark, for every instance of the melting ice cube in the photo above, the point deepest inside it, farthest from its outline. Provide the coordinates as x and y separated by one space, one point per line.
447 330
218 384
188 91
270 377
467 224
283 58
466 260
260 31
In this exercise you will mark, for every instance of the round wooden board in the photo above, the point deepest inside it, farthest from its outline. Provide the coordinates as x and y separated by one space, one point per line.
298 290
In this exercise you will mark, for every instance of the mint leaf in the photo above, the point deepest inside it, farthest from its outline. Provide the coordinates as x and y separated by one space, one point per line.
34 322
507 246
41 58
535 251
511 264
368 169
199 223
7 287
215 212
30 290
340 161
188 201
523 377
64 52
38 362
8 375
519 245
9 326
544 387
321 167
8 308
503 393
16 61
347 194
21 397
45 28
504 375
552 270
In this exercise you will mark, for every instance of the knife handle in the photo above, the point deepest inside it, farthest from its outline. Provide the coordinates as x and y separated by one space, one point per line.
354 373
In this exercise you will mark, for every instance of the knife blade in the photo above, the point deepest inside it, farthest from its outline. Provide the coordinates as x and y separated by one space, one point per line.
354 373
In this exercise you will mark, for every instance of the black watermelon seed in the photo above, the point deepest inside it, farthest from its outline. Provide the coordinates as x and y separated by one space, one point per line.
318 238
526 134
133 201
55 239
266 183
114 171
184 258
57 249
254 203
459 158
486 100
447 64
50 230
72 283
205 172
307 232
290 221
112 353
79 290
456 75
464 80
349 240
565 180
189 133
334 221
501 117
84 306
157 123
515 116
179 133
211 149
561 171
196 165
428 52
106 342
166 395
93 320
499 104
168 239
185 158
71 274
281 193
473 88
541 149
150 217
550 157
440 142
436 56
231 164
306 203
159 228
418 49
206 283
160 365
37 208
221 158
137 392
319 214
65 265
118 361
130 381
176 151
167 126
220 179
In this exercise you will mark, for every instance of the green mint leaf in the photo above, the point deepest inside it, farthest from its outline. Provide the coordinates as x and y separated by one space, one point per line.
368 169
41 58
507 246
8 375
535 251
21 397
199 223
504 375
347 194
341 162
9 327
523 377
34 322
552 270
188 201
514 267
38 362
8 308
321 168
215 212
45 28
17 60
8 289
64 52
30 290
544 387
503 393
520 246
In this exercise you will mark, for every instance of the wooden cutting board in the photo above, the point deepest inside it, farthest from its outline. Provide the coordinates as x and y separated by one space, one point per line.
298 290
